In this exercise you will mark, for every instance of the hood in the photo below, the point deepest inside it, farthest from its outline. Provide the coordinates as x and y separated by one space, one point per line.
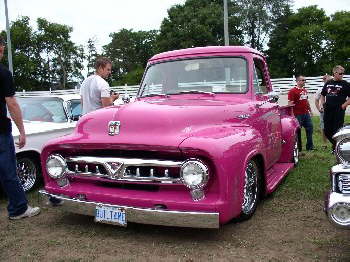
37 127
162 121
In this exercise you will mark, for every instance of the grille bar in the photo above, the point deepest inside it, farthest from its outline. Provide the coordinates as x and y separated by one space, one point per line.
344 183
125 169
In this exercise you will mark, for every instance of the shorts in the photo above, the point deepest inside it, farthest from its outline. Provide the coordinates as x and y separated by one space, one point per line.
321 121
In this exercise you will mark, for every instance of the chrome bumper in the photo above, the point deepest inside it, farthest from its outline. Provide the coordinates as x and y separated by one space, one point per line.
141 215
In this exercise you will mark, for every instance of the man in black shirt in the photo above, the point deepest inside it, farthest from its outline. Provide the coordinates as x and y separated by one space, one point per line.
18 205
335 96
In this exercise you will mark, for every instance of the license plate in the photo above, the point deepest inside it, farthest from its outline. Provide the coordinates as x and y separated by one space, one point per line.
110 215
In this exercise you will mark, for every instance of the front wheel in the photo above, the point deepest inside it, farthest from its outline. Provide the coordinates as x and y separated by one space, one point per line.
251 190
28 172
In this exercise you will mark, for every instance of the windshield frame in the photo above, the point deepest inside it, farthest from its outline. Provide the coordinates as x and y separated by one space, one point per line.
142 86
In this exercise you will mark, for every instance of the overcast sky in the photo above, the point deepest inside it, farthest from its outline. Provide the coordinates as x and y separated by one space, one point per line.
90 18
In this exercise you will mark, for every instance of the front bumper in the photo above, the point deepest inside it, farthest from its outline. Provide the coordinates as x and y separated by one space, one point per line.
141 215
338 201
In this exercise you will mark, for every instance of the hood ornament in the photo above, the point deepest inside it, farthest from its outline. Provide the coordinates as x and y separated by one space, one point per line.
113 128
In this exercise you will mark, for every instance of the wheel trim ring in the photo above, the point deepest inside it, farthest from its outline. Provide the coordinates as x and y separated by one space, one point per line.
296 153
26 172
250 190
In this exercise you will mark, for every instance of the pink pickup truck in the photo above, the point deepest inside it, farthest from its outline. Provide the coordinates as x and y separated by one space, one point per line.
202 143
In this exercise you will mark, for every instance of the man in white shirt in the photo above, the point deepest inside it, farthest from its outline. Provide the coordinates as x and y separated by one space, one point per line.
95 91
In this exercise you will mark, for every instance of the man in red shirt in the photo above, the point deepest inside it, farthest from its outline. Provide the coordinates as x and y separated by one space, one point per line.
297 97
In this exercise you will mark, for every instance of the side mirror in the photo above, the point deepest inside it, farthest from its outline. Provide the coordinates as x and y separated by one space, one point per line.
273 97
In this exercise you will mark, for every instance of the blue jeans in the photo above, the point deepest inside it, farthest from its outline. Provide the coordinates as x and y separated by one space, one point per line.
305 121
8 177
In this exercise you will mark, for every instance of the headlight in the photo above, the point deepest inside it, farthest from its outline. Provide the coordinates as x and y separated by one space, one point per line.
194 174
343 150
56 166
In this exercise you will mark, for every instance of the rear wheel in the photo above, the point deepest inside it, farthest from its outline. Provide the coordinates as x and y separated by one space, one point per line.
251 190
28 171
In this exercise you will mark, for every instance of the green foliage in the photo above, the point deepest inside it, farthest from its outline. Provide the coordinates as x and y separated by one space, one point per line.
131 78
338 30
129 51
91 56
61 58
258 19
45 57
198 23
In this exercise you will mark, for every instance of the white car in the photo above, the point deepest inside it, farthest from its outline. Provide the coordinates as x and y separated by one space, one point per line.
45 117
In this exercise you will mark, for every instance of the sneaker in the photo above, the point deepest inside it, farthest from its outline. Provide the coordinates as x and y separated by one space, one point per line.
30 212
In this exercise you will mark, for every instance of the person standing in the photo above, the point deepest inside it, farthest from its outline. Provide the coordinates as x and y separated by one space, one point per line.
319 107
94 91
298 98
18 204
335 97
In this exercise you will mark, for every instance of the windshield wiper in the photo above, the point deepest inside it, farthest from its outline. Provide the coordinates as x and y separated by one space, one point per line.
155 94
196 92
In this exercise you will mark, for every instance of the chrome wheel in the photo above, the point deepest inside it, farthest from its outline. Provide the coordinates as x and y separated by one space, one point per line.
27 173
251 188
296 151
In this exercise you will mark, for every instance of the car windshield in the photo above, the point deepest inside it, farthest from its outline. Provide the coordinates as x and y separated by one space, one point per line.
213 75
47 109
75 108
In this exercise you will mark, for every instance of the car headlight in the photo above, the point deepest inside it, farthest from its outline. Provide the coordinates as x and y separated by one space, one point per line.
56 166
194 174
343 150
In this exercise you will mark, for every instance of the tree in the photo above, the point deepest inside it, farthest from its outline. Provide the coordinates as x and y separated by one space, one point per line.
130 51
298 45
23 53
91 55
62 60
338 30
198 23
258 19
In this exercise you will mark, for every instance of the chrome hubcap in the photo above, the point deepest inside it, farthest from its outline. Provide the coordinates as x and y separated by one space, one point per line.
296 153
26 171
250 192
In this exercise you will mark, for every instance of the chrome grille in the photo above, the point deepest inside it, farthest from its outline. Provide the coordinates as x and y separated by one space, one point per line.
344 183
141 170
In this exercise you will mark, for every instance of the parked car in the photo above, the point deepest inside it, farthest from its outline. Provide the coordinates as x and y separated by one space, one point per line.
45 117
337 202
201 144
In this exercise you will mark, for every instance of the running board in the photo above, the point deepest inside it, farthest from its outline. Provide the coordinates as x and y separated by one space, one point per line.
275 175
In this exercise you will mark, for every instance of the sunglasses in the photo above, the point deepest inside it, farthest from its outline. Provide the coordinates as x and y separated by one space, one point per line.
340 73
302 80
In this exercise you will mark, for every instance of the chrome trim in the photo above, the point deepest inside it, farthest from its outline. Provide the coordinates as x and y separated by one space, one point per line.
62 161
116 168
333 199
113 128
141 215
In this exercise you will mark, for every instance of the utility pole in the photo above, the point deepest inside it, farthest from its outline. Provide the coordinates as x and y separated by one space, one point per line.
226 23
9 50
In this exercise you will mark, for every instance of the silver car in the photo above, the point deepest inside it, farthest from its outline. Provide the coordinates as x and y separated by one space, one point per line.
45 117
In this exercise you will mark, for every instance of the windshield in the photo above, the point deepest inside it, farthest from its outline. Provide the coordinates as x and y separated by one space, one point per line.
47 109
214 75
75 108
